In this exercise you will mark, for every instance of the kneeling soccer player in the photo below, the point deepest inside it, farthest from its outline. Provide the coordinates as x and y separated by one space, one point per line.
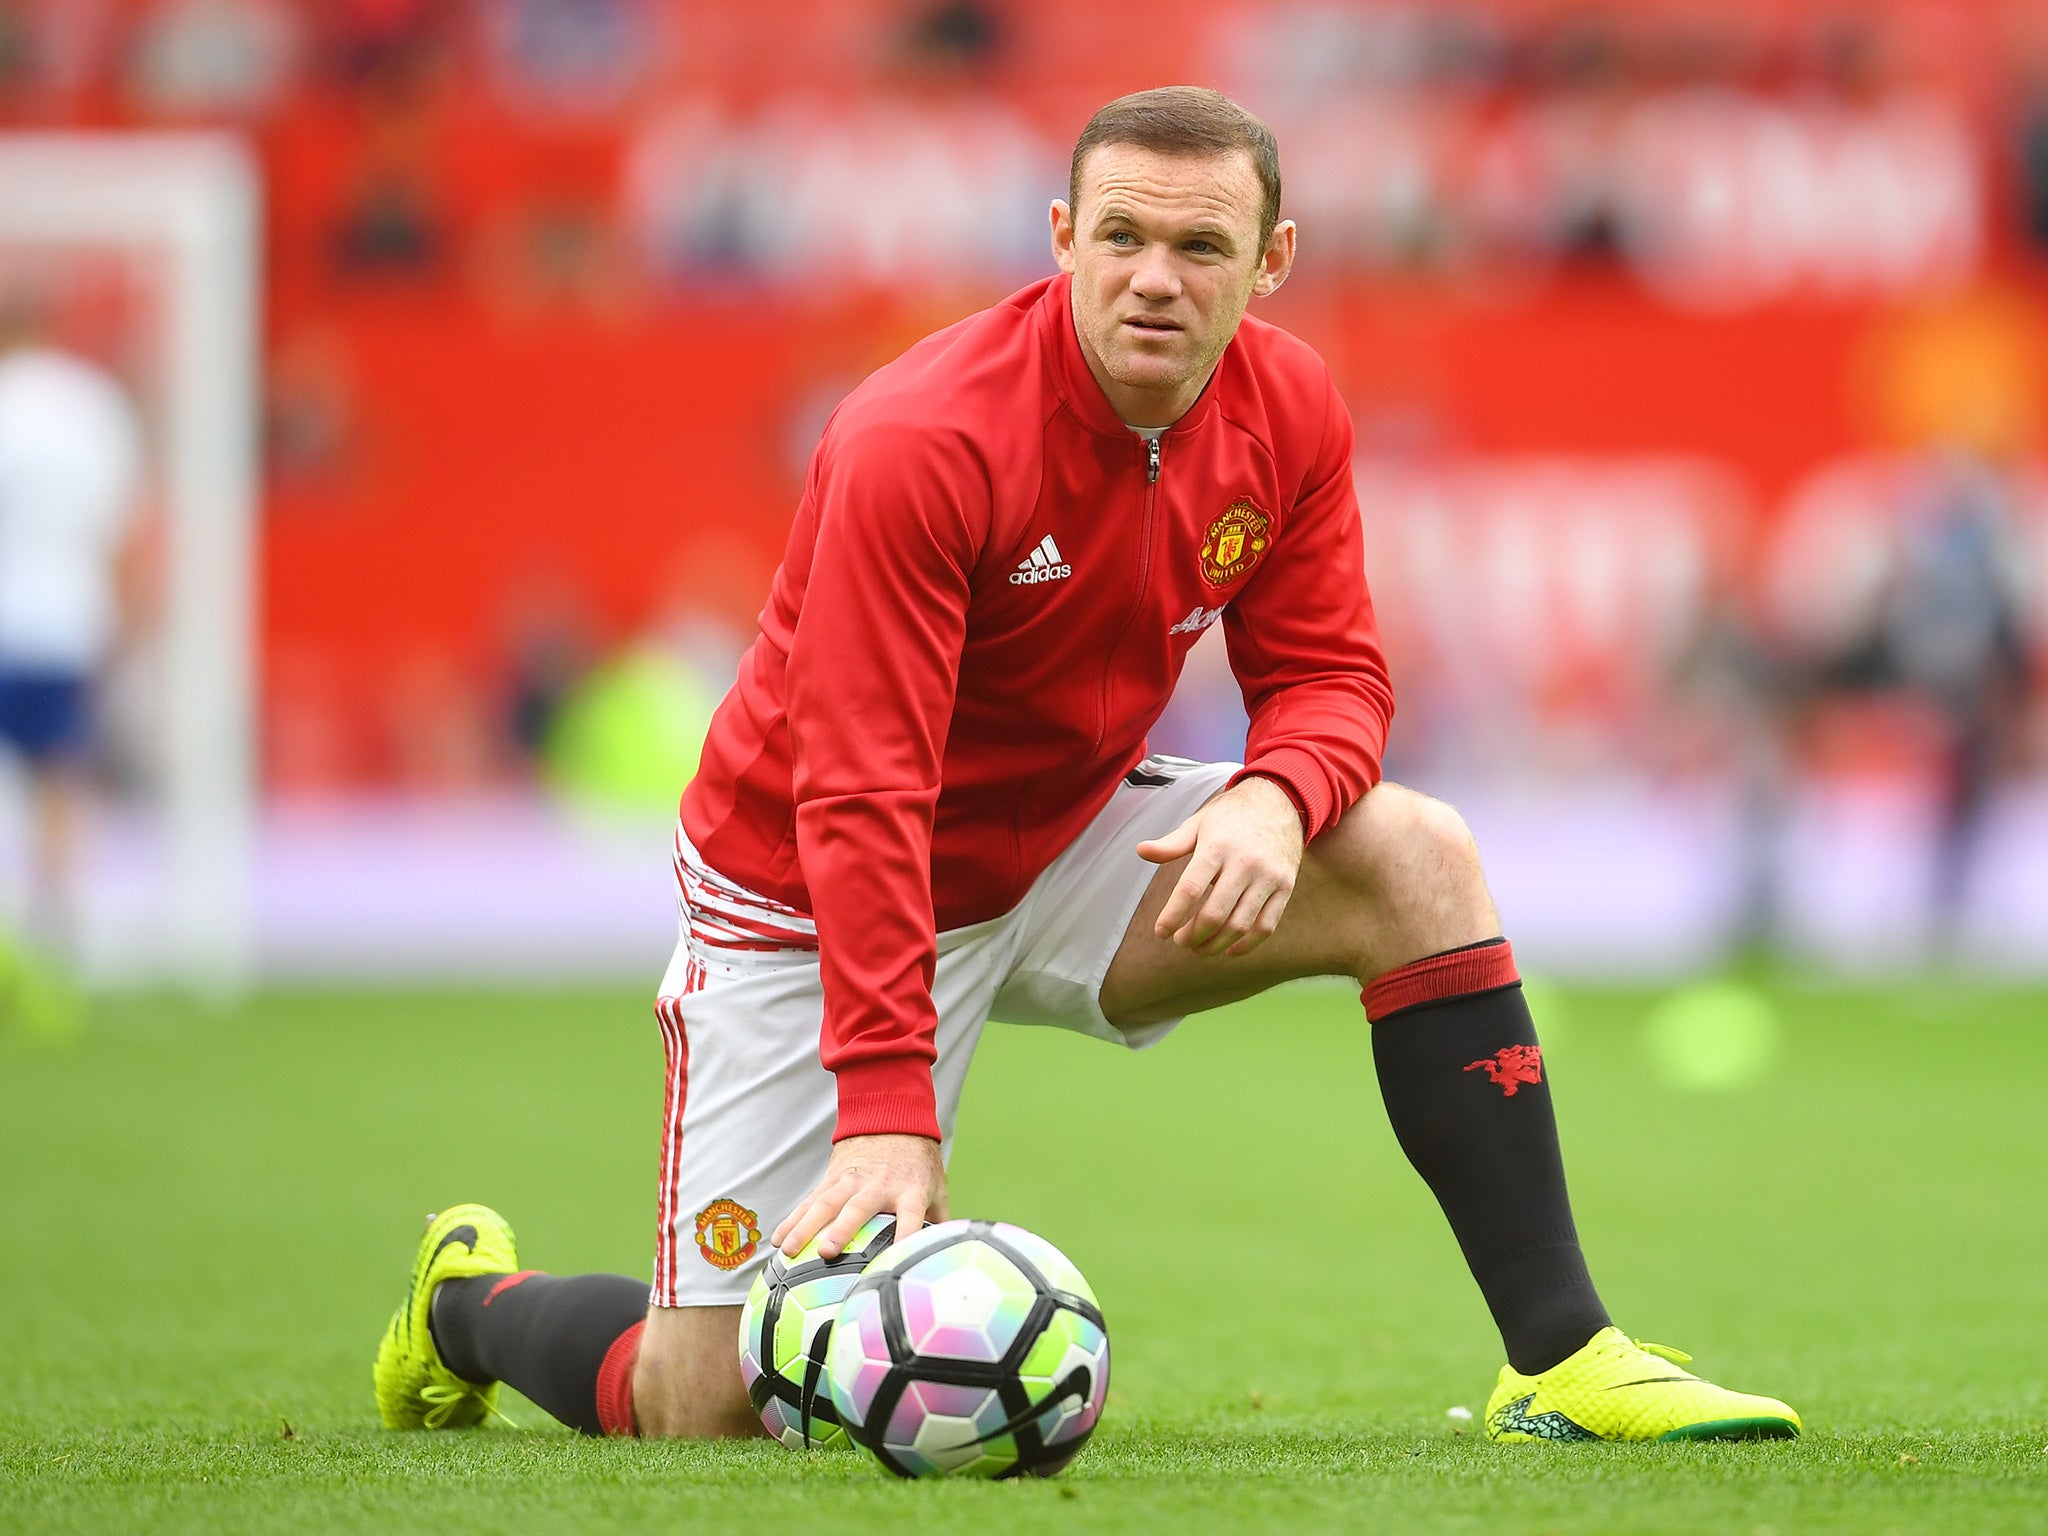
927 800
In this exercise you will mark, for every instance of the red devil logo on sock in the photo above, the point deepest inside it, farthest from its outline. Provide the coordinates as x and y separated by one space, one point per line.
1511 1066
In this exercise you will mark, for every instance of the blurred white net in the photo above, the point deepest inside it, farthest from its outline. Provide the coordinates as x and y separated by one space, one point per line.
135 256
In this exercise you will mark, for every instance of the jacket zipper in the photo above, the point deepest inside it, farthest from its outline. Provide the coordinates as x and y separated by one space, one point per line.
1152 457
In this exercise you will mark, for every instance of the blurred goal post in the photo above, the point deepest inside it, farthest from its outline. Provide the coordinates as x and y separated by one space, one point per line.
188 203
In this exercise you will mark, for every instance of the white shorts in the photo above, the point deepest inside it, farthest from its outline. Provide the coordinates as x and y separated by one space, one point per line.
749 1111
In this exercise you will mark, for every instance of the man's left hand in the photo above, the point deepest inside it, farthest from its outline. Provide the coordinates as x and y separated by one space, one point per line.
1244 852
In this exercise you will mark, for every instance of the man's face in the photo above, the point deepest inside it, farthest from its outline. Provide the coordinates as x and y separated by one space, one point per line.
1164 252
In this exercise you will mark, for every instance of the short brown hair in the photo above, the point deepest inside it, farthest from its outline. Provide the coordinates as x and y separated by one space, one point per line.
1185 120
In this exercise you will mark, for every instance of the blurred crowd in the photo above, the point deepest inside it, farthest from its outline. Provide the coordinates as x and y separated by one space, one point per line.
1696 350
598 151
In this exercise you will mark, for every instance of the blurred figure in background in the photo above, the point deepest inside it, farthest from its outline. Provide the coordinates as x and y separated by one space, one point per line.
1963 384
70 456
1948 631
1915 656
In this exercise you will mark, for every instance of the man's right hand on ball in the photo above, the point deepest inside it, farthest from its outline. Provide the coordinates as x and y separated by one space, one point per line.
901 1176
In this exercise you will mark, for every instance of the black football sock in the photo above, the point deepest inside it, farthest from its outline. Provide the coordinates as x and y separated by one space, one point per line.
568 1342
1463 1081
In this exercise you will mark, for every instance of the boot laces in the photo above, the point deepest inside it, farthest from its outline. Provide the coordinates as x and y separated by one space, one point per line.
442 1400
1663 1351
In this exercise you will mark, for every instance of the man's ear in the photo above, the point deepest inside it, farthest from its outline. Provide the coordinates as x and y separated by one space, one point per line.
1063 235
1277 262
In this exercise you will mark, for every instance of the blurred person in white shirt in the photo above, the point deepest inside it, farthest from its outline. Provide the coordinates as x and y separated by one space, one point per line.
70 460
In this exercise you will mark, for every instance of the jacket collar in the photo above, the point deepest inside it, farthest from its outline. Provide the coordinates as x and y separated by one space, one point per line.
1076 383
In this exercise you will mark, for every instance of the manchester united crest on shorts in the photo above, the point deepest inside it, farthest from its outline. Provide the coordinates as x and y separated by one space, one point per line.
1234 543
727 1233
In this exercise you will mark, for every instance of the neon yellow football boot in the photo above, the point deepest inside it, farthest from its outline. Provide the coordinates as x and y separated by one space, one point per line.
414 1389
1617 1388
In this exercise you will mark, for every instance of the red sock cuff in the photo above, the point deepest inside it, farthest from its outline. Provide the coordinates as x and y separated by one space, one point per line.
1436 978
615 1383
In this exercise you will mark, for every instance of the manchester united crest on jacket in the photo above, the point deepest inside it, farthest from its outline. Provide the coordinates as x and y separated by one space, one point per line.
1234 543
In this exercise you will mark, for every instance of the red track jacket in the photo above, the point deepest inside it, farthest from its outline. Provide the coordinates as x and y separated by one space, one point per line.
988 594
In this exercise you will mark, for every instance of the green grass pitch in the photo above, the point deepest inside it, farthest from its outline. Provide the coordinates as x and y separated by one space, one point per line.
205 1221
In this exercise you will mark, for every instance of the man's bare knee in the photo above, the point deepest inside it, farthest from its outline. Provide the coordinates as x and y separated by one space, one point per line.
1392 833
686 1384
1412 867
1442 845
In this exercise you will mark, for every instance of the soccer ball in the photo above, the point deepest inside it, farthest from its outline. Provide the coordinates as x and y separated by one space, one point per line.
785 1328
972 1347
